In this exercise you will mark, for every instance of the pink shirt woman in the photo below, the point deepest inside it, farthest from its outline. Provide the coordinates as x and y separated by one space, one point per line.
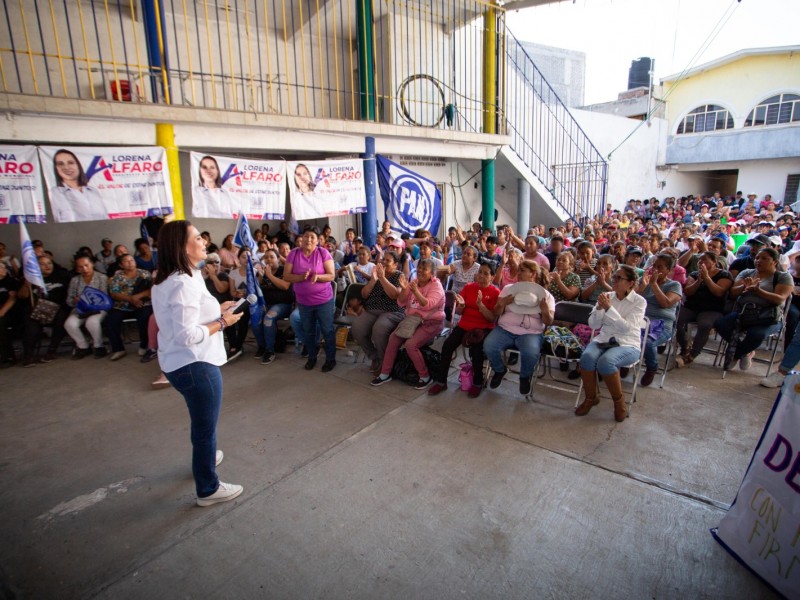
424 298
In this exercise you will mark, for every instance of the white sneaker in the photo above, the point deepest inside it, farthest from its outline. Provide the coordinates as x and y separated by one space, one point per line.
773 381
220 456
746 362
225 492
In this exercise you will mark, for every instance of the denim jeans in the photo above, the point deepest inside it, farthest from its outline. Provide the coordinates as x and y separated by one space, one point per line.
297 326
651 347
791 356
792 321
319 317
529 346
265 335
752 339
200 384
607 362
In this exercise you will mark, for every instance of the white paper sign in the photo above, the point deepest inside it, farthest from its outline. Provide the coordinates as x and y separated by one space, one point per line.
223 186
95 183
21 195
327 188
762 527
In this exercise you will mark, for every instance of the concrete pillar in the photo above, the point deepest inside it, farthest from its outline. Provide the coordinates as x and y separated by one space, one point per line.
369 219
523 207
165 137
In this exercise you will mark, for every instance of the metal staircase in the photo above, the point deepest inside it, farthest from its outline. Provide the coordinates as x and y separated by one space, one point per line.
549 141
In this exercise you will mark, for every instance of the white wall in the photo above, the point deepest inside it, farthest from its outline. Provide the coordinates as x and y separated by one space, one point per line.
632 166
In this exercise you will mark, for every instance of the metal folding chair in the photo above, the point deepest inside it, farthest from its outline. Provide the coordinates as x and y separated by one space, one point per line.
636 366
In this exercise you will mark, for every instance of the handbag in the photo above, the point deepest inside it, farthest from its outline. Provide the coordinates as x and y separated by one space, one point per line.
45 311
465 376
752 315
755 315
406 328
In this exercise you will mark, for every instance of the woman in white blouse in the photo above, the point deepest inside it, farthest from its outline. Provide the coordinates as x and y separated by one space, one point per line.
619 315
191 349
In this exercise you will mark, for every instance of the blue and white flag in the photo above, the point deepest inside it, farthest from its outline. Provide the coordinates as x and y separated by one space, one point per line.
412 202
242 237
93 300
258 309
30 264
145 233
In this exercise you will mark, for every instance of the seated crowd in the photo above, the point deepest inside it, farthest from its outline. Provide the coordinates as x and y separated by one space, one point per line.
672 262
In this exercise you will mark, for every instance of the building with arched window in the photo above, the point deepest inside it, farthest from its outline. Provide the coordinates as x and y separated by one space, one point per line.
734 124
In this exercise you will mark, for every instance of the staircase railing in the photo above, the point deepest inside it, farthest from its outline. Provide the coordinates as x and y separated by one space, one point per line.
548 139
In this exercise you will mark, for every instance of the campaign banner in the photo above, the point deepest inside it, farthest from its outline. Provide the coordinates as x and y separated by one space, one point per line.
412 201
96 183
223 187
21 195
326 188
762 527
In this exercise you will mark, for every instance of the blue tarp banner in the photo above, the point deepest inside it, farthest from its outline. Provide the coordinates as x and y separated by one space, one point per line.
412 201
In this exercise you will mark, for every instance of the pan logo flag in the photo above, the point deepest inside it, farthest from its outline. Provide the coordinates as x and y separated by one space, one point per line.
412 201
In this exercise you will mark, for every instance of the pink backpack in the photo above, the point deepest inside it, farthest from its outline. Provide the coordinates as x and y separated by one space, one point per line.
465 376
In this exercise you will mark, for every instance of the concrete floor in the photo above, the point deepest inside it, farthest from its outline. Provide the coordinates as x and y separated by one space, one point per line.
360 492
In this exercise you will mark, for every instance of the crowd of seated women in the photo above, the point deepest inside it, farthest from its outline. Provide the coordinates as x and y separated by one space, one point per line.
679 273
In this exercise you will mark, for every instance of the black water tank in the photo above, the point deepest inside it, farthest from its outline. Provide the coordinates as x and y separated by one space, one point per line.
639 73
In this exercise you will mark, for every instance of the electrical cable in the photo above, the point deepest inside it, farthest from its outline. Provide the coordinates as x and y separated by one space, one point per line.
682 75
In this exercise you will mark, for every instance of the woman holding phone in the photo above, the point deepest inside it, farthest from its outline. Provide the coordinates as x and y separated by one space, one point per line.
191 348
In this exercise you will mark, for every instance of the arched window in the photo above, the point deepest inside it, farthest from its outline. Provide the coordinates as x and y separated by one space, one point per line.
777 110
708 117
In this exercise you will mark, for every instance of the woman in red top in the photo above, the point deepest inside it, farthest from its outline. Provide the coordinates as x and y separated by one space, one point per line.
475 305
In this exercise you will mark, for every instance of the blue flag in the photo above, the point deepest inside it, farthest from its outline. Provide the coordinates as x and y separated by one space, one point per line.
242 236
145 233
412 202
30 264
258 309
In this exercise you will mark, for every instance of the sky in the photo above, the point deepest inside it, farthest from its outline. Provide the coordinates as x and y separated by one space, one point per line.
612 33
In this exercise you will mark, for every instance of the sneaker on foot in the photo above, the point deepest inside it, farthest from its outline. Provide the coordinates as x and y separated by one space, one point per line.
118 355
260 352
234 353
746 362
219 458
437 388
148 356
225 492
525 385
142 351
497 377
48 357
310 364
29 362
381 379
773 381
422 383
328 366
267 357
